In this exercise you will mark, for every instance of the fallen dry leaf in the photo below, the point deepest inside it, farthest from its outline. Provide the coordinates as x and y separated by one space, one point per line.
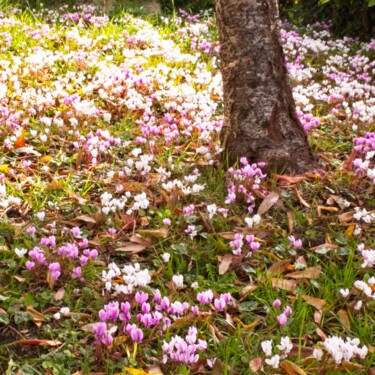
318 316
329 246
314 302
291 221
86 219
225 263
268 202
288 285
300 198
227 235
131 247
308 273
280 266
36 342
142 241
291 368
157 233
256 364
344 318
88 327
59 295
38 317
351 366
346 217
288 179
248 289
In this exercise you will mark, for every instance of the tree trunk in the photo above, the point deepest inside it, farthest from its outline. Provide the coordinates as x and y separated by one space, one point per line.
260 120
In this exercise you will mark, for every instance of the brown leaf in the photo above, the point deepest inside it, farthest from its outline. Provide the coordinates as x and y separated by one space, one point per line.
339 200
227 235
300 198
321 334
157 233
155 370
344 318
142 241
288 179
88 327
291 221
288 285
268 202
346 217
38 318
351 366
50 280
38 342
225 262
248 289
219 368
59 295
280 266
329 246
318 316
314 302
308 273
291 368
86 219
130 247
256 364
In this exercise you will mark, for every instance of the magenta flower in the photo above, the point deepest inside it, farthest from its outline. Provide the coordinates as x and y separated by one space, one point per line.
282 319
76 231
276 303
55 270
167 222
30 265
204 298
294 242
31 231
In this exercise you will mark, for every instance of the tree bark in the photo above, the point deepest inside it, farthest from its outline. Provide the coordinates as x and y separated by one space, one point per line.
260 120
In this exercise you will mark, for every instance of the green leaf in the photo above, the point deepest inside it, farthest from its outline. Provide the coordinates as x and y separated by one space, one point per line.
4 318
371 3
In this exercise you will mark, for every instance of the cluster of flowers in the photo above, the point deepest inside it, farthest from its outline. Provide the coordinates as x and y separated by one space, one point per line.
346 88
282 319
7 200
95 145
70 256
243 182
365 165
284 348
148 314
339 350
238 242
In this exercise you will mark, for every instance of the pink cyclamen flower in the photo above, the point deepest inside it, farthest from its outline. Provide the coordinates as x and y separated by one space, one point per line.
55 270
76 231
30 265
167 222
111 231
297 243
276 303
206 297
31 231
282 319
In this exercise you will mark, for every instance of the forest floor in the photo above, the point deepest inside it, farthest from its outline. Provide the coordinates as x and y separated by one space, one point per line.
126 247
